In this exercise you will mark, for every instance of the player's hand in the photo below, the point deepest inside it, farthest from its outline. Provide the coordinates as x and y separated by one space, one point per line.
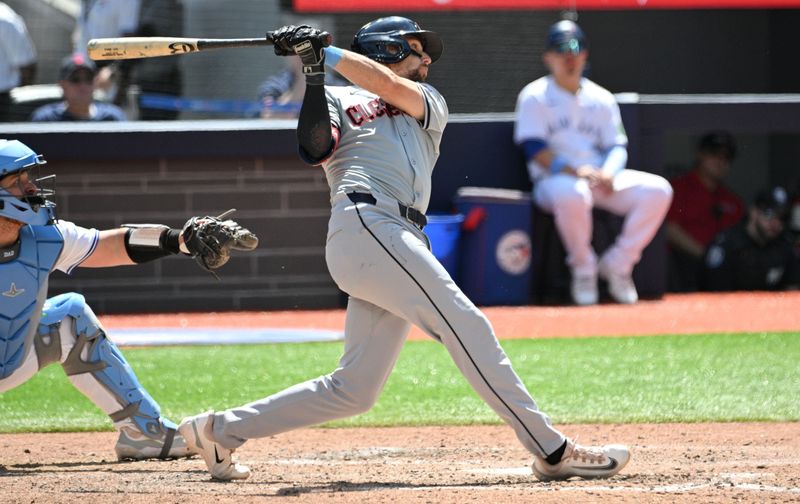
309 44
596 178
210 240
585 172
605 181
280 40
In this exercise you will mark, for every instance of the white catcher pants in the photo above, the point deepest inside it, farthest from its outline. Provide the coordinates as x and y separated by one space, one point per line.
383 262
87 383
642 198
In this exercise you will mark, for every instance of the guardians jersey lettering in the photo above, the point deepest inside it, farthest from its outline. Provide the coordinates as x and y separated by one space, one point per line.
359 113
381 150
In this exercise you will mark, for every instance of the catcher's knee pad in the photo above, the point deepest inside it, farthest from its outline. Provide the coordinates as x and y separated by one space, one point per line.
93 353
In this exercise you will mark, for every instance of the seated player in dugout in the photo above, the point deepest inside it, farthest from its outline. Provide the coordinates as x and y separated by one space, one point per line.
571 132
702 207
757 253
378 141
36 331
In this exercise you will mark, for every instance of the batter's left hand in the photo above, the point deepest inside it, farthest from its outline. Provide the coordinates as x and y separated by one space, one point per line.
309 43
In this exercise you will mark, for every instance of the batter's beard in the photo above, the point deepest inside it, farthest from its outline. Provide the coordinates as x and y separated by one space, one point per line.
416 76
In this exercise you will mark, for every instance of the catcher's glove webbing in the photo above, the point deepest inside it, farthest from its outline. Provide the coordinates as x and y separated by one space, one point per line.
209 240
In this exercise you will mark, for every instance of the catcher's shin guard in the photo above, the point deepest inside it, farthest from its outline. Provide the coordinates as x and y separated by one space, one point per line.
97 368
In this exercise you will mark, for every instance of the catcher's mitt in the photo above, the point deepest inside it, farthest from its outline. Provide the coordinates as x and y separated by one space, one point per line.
209 240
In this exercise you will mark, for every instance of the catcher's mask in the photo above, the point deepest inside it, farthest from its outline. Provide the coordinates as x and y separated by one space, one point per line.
382 40
34 209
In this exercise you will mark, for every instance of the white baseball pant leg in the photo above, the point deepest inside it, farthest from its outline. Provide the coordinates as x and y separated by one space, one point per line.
85 382
570 200
383 262
644 199
373 340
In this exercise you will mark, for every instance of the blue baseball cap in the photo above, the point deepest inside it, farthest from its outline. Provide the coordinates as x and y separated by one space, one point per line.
566 37
75 62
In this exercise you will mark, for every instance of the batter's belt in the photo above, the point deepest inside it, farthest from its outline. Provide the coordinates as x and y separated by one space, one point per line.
411 214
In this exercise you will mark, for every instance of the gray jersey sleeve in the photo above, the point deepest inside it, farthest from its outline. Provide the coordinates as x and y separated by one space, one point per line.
333 109
436 112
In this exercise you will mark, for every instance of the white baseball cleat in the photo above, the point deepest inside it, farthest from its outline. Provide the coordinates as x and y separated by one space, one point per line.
584 289
197 432
620 286
586 462
133 445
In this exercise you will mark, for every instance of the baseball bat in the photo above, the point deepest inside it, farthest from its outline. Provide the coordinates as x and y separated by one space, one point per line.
152 47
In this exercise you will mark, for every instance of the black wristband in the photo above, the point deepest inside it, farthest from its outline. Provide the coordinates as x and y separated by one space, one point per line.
141 251
170 241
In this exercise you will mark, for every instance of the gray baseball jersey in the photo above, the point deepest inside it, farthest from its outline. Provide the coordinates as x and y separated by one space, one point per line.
382 150
382 260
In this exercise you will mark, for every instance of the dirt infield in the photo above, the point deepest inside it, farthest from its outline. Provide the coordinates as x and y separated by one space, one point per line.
671 463
682 463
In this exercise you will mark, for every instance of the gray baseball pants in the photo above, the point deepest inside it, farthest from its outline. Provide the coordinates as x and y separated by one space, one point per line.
382 261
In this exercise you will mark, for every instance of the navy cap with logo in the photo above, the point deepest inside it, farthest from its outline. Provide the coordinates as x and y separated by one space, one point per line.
75 62
773 202
566 37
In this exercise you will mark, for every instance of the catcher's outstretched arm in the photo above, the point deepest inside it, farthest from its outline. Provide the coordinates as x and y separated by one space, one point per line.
110 251
209 240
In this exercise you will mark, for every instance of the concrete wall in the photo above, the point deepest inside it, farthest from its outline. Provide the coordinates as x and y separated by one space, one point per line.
128 180
112 174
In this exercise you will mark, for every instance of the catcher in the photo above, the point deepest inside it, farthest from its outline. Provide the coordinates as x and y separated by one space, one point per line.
35 331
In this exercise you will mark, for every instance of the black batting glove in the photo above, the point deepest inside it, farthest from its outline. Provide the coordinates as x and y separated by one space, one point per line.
280 40
309 44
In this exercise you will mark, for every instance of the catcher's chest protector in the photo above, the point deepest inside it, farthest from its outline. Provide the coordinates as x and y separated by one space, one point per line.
23 290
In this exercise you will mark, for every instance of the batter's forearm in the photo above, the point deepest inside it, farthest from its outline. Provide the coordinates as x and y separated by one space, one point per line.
314 125
380 80
364 72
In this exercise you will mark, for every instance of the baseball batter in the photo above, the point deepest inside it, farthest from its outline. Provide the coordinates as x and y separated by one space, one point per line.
572 134
378 141
36 331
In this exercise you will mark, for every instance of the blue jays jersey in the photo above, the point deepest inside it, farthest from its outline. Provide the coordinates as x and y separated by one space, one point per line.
24 277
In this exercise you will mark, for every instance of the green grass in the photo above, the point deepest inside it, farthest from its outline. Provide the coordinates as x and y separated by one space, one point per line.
732 377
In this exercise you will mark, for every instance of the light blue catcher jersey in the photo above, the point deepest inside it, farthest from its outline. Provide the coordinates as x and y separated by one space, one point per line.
23 290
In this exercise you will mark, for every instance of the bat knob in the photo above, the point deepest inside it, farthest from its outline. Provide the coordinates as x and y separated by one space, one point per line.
327 39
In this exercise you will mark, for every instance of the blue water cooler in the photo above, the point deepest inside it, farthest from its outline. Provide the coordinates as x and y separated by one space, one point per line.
495 245
444 233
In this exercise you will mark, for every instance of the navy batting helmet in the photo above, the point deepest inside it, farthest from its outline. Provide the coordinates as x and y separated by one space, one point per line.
566 37
382 40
